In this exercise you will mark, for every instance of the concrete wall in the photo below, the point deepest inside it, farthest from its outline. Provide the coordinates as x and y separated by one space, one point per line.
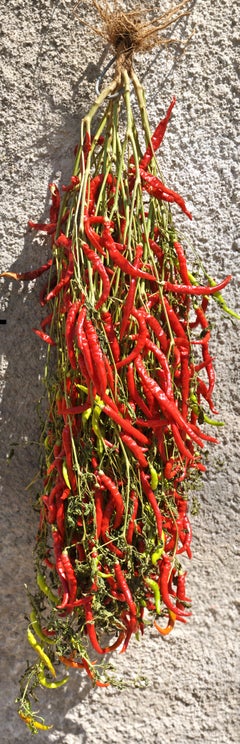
183 688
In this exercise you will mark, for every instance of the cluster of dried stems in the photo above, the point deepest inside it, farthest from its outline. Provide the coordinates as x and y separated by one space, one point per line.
129 31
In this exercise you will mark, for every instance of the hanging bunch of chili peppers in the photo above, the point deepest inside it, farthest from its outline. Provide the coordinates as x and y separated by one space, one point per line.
129 380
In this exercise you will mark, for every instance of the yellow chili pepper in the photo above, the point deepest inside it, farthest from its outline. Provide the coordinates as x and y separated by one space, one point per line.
40 651
212 421
38 630
65 475
153 585
154 477
51 685
155 557
46 590
32 723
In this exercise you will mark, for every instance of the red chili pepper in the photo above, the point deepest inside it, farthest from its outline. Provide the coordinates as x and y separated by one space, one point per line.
120 260
184 451
70 331
167 406
74 181
181 590
203 390
116 497
64 242
43 226
152 500
165 573
157 137
83 345
186 538
157 250
90 627
110 377
70 577
28 275
182 262
123 585
98 266
129 302
95 183
160 334
131 526
60 518
46 321
168 389
111 335
185 382
157 189
135 449
44 336
175 323
100 377
190 289
64 281
124 424
141 340
133 393
92 236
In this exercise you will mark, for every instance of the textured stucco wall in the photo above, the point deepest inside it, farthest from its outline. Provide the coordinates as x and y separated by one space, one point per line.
49 65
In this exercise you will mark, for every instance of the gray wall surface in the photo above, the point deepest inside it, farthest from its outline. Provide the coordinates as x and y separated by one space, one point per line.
183 688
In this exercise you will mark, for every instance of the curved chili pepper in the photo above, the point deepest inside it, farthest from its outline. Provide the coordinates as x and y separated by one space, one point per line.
28 275
190 289
135 449
157 188
98 266
165 573
114 414
115 495
92 236
64 281
38 630
164 364
51 685
181 589
44 337
74 181
33 723
40 651
43 226
171 622
160 334
120 260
